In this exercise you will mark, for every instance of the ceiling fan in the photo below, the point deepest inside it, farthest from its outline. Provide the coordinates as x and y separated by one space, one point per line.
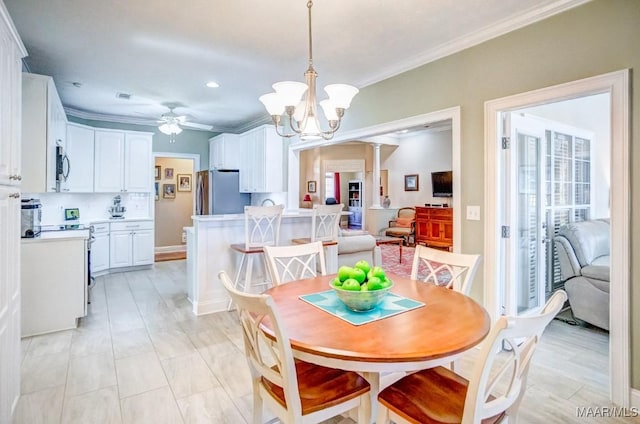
172 123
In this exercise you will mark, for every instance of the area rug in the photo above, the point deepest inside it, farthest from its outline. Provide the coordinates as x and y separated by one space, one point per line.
390 259
391 263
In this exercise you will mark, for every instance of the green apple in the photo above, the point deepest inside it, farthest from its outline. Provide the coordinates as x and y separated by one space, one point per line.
377 271
358 274
350 284
336 282
374 283
344 272
363 265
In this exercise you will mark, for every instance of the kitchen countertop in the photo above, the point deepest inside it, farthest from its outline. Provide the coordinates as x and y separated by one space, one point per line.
289 213
49 232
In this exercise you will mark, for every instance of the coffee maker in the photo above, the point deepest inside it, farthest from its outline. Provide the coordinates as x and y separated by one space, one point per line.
30 214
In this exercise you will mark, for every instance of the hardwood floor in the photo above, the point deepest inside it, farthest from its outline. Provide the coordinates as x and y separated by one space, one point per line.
141 356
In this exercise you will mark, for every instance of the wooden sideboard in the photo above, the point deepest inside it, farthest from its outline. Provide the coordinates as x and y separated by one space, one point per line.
434 227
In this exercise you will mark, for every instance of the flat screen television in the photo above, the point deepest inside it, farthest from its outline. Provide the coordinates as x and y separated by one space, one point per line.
442 183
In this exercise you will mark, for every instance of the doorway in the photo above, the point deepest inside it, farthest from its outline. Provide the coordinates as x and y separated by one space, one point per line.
503 189
174 202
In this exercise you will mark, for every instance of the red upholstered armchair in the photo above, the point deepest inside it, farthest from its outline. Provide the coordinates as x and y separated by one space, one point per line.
403 226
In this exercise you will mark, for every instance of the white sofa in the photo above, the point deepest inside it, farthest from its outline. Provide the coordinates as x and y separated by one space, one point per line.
352 248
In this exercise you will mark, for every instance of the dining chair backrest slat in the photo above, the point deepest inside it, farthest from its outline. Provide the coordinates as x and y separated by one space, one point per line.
262 225
453 270
295 262
325 222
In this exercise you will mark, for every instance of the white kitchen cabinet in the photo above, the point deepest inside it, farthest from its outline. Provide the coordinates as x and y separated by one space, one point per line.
80 150
123 161
131 244
225 152
43 128
138 162
11 53
262 165
100 248
142 247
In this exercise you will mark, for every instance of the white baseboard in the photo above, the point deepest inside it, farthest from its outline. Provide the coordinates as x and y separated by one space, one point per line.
635 398
166 249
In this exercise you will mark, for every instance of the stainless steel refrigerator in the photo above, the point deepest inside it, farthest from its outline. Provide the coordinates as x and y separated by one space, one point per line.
218 192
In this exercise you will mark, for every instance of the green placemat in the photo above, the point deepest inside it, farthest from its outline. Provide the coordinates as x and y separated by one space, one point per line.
392 304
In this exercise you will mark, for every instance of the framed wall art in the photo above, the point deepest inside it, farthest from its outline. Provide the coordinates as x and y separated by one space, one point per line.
411 182
169 191
311 186
168 173
184 182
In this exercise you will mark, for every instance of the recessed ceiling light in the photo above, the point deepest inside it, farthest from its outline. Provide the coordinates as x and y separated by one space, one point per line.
213 84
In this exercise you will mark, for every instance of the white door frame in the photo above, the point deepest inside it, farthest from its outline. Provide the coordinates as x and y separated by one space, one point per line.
196 167
452 113
617 85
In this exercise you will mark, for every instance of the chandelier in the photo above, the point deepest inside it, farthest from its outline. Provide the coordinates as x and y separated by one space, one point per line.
302 115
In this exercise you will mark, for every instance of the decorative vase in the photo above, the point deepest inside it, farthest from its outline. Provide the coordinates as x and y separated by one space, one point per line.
386 202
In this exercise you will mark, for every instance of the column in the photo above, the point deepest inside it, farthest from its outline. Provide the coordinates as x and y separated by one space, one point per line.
375 199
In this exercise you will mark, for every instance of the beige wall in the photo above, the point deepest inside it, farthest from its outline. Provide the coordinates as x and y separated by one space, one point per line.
596 38
173 214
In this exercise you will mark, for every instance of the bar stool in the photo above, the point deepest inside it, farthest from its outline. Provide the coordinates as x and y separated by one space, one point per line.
325 226
261 228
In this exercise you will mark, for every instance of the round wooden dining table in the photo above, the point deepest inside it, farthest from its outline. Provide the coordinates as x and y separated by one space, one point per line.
447 325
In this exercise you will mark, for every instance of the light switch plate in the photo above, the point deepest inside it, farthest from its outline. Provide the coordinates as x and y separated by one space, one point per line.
473 213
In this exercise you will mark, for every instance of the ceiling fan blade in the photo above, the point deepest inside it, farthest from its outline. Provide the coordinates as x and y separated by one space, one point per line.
195 125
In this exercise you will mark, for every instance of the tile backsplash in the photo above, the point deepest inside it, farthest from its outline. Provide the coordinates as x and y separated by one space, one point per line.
92 206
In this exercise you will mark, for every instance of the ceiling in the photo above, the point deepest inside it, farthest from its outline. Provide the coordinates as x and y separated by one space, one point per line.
162 52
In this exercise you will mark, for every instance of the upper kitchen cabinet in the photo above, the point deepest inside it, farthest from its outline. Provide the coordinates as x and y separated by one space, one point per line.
44 126
80 149
225 152
123 161
261 167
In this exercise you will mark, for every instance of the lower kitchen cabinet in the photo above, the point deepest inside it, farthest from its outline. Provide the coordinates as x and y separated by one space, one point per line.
100 248
131 244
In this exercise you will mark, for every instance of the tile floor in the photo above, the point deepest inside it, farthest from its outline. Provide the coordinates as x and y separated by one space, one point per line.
141 356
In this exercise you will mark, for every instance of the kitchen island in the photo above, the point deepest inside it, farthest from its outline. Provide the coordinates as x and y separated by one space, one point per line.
208 253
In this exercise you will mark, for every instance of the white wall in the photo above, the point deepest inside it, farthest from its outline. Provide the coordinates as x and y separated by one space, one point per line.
589 113
420 154
92 206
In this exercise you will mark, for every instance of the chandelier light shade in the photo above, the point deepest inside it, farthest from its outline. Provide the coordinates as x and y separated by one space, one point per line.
170 126
301 114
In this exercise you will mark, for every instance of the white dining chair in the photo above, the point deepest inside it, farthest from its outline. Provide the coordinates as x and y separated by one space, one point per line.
261 228
496 385
325 222
295 391
295 262
456 269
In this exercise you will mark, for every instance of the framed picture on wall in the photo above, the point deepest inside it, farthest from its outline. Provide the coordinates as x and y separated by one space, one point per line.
168 173
184 182
311 186
158 172
411 182
157 184
169 191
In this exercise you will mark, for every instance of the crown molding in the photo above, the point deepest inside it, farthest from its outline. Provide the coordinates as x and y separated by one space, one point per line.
254 123
485 34
4 14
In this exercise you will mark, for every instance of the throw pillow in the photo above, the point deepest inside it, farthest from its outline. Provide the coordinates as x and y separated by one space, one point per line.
404 222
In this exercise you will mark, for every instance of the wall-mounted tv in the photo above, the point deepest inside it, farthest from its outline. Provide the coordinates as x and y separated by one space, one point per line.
442 183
